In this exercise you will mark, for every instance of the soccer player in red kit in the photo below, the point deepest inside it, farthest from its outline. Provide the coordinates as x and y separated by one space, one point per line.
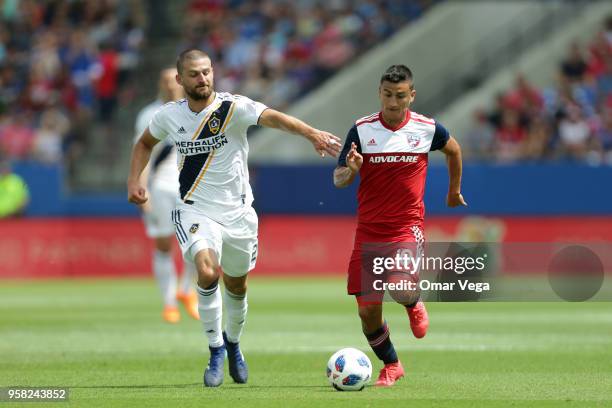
389 149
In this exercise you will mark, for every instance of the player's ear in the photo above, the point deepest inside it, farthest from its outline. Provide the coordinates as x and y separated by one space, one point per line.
412 95
178 79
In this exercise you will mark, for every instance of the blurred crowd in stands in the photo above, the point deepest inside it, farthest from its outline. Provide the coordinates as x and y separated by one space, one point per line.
63 65
276 51
569 121
66 65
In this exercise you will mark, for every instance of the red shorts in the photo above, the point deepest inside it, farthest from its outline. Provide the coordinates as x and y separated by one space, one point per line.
368 242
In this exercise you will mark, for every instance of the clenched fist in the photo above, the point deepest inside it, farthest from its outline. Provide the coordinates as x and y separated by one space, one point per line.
137 193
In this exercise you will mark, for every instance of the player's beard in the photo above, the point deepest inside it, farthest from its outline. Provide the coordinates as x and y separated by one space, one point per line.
199 96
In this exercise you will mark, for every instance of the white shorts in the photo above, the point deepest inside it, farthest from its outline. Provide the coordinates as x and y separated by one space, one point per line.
158 220
235 245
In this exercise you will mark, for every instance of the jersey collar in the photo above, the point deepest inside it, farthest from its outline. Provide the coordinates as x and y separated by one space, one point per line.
398 127
206 108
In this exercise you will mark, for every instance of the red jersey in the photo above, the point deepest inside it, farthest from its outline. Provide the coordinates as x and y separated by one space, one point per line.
394 168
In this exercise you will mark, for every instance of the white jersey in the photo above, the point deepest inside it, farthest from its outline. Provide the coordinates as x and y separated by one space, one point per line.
163 173
212 153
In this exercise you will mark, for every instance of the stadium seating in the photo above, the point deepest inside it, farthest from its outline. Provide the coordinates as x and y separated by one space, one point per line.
64 66
569 120
275 52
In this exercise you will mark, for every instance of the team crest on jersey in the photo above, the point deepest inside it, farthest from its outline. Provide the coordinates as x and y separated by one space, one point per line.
213 124
413 140
194 228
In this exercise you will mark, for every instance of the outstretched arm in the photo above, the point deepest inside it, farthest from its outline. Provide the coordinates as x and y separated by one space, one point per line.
137 192
323 142
452 150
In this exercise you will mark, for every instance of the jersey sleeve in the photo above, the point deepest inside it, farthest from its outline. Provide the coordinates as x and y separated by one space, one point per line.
248 111
351 137
156 125
440 137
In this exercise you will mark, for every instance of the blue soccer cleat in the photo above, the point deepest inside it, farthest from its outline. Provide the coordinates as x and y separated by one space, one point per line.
238 369
213 375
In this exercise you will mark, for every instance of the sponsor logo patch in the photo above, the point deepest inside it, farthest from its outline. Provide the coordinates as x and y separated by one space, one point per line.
394 159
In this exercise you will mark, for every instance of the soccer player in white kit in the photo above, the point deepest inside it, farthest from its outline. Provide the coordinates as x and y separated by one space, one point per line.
161 176
215 224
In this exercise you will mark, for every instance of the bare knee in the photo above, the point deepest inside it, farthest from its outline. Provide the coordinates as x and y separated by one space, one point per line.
237 286
163 244
207 267
371 317
207 277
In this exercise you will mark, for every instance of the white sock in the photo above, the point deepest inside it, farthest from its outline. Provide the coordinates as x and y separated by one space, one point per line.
165 273
210 307
188 278
236 307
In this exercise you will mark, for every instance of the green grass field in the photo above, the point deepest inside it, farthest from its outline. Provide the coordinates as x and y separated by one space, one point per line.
105 340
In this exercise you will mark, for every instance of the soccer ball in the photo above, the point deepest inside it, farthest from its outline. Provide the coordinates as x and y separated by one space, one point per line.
349 370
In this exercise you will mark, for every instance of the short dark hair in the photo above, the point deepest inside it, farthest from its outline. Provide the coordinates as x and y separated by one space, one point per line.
397 73
189 54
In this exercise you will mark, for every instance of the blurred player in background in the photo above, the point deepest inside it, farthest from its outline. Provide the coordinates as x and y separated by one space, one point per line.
389 150
162 179
215 223
14 192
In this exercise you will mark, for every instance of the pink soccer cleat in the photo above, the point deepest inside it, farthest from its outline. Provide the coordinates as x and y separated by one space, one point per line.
419 321
389 374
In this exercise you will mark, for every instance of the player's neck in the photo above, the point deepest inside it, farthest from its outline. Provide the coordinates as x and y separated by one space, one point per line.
198 106
394 122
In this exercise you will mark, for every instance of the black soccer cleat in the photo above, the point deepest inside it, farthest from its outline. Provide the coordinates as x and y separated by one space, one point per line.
238 368
213 375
